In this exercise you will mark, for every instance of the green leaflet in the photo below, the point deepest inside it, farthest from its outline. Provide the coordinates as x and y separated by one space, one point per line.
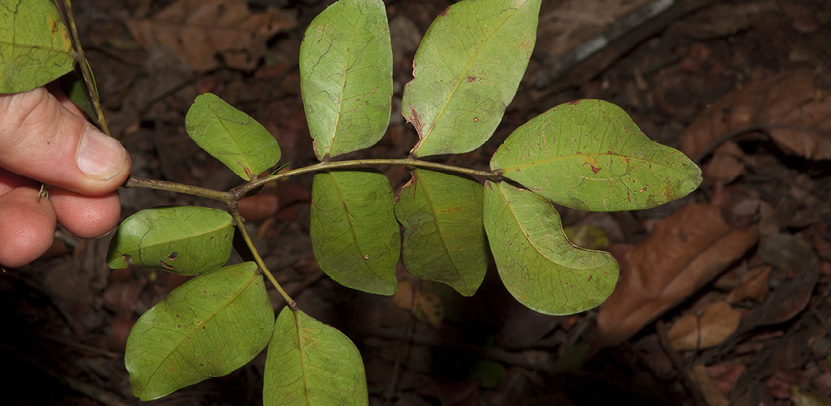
346 77
231 136
466 72
312 364
208 327
35 47
535 260
444 239
589 155
186 240
354 234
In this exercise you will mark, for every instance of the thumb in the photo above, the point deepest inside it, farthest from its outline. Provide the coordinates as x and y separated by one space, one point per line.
42 140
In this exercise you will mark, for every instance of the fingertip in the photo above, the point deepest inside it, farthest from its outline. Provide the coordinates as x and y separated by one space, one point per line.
27 226
86 216
102 160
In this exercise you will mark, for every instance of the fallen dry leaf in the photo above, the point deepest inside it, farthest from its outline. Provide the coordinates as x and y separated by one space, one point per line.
792 107
754 286
686 250
786 301
714 397
724 375
717 322
258 207
727 164
201 29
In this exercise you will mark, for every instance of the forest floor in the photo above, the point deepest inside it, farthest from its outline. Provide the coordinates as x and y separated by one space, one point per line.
723 297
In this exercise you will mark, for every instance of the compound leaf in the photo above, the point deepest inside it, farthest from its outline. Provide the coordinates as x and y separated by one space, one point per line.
535 260
355 237
208 327
312 364
346 76
35 47
231 136
444 239
186 240
466 71
589 155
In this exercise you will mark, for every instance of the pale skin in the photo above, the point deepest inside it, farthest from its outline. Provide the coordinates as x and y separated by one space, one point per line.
45 139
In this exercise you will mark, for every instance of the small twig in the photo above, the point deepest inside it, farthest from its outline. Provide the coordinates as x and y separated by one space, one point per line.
135 182
81 60
697 397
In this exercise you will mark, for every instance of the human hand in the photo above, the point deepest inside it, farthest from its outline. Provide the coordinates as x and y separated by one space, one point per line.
44 138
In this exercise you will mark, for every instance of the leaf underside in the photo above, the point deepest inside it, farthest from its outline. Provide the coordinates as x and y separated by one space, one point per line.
444 239
186 240
35 47
311 364
466 72
589 155
231 136
355 237
208 327
535 260
346 77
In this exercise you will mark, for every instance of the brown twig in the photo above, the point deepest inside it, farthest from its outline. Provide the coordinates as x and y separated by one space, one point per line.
691 387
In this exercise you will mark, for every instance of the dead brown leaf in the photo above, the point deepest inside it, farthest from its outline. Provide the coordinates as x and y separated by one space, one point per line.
714 397
792 107
201 29
726 165
259 207
686 250
754 286
716 323
724 375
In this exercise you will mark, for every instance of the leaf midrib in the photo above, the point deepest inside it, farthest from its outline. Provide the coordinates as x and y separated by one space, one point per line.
352 227
342 92
461 77
577 156
441 237
231 136
531 242
197 327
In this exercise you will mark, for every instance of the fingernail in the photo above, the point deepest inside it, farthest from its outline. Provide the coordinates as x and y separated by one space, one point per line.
99 156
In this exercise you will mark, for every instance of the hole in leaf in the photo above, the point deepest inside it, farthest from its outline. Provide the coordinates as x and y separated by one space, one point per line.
165 265
173 255
128 259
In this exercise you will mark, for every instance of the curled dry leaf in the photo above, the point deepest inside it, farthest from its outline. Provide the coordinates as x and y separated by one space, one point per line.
792 107
754 286
686 250
789 298
726 165
717 322
200 29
